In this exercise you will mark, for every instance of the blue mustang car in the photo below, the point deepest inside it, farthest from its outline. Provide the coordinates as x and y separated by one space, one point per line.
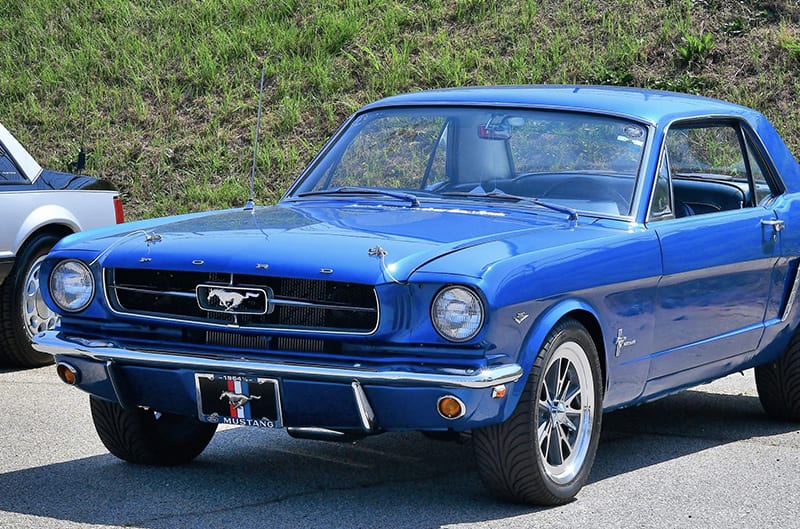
507 261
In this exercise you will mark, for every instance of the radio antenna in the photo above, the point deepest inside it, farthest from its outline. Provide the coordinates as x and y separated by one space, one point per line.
250 206
80 163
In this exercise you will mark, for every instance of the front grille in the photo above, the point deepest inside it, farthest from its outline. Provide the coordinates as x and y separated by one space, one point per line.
293 304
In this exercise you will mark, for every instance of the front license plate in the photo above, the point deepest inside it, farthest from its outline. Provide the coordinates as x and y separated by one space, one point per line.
230 399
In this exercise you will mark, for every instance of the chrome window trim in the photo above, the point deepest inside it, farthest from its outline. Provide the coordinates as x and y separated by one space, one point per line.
773 177
662 155
719 119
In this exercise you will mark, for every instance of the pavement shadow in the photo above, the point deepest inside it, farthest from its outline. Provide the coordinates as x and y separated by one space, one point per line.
251 479
686 423
255 479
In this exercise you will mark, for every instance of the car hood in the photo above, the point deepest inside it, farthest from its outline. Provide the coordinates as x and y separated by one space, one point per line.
356 242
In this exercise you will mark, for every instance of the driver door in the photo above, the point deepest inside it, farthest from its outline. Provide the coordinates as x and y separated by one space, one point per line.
720 243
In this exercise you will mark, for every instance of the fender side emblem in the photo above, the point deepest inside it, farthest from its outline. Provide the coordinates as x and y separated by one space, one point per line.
622 341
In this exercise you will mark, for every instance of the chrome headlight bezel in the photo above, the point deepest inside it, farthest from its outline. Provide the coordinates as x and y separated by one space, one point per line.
80 296
457 313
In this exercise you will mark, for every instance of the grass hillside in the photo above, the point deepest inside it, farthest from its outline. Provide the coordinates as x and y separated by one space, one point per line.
163 93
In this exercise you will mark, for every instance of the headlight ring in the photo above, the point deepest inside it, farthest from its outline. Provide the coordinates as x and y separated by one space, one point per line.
457 313
71 285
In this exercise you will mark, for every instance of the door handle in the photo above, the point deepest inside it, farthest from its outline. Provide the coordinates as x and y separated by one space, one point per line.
777 224
777 227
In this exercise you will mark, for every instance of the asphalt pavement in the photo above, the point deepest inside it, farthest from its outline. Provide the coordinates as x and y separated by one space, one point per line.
704 458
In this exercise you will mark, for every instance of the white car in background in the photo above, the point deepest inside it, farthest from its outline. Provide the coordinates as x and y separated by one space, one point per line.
37 208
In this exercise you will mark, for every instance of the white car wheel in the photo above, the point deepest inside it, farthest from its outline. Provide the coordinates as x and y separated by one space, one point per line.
35 313
24 313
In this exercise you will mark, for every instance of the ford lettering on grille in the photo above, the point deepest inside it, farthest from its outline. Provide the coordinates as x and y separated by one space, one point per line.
233 300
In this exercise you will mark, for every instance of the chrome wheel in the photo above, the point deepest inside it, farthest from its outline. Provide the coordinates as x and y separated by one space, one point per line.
543 453
36 315
565 413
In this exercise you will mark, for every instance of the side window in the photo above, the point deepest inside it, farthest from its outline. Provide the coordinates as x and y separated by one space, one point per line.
710 168
661 208
757 167
8 171
706 152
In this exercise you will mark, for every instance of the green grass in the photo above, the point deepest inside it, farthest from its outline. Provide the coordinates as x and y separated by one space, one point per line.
163 93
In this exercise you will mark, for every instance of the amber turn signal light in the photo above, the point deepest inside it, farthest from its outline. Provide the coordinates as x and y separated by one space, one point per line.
451 407
499 392
67 373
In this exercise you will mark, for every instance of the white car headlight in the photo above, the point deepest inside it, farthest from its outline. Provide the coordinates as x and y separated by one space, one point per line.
71 285
457 313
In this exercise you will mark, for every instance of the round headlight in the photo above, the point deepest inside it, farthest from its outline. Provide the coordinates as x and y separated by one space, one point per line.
71 285
457 314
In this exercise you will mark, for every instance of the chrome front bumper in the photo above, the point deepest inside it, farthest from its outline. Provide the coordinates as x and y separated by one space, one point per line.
52 343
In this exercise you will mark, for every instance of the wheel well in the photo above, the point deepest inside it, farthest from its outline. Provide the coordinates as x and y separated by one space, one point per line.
59 230
588 320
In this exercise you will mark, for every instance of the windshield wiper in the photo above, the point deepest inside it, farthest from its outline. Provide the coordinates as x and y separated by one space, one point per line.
355 190
573 214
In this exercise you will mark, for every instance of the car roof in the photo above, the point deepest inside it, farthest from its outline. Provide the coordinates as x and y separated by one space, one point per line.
652 106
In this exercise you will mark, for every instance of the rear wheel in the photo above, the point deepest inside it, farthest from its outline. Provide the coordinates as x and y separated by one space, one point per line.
544 452
778 384
24 313
148 437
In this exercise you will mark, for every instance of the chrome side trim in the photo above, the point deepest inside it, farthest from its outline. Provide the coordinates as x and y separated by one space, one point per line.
50 342
364 409
792 296
175 293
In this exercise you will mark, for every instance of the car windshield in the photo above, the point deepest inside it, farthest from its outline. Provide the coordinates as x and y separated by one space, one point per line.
571 160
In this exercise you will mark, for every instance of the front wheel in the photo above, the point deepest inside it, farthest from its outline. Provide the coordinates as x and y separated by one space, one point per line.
544 452
148 437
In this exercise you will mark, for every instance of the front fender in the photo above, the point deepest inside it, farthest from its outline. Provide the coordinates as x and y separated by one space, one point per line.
541 327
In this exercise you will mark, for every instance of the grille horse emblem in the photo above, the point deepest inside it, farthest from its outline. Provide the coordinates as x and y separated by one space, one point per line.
234 300
229 300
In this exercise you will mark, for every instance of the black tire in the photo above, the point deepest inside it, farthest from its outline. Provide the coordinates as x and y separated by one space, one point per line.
778 384
147 437
23 311
544 452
